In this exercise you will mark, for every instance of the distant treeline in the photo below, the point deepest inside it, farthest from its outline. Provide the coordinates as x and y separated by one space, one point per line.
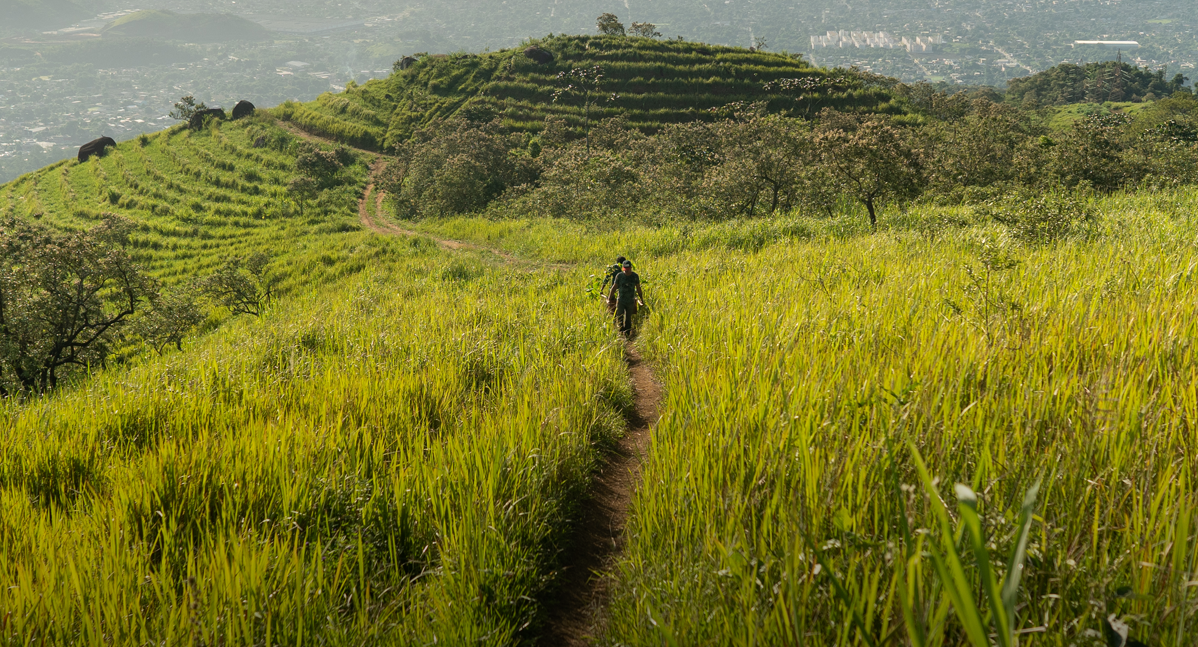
1092 83
961 149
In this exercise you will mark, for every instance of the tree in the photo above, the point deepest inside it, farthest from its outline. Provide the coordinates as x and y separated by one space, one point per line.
980 149
186 107
172 316
322 165
242 284
644 30
871 159
318 169
586 82
609 25
302 188
761 168
65 300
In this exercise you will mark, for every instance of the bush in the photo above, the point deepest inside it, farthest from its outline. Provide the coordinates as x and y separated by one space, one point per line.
456 167
1042 216
243 285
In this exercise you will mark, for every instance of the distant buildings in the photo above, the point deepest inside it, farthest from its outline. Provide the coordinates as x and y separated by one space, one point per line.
923 44
874 40
1113 44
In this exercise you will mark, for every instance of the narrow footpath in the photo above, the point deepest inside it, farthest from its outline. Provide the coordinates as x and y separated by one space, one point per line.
575 614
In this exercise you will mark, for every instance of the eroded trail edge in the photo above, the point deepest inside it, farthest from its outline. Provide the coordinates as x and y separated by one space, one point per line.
575 615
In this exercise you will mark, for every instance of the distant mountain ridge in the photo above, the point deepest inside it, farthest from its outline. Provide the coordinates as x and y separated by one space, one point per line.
194 28
41 14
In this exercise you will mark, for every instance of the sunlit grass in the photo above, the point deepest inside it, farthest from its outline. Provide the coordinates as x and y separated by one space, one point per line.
390 458
802 357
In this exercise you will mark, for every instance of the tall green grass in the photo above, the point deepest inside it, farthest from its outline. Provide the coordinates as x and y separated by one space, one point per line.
390 458
792 374
810 366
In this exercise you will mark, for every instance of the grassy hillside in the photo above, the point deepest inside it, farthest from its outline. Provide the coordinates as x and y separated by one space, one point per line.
192 28
655 82
389 454
199 197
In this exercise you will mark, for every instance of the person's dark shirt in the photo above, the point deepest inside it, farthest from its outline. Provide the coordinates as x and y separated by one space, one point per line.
626 285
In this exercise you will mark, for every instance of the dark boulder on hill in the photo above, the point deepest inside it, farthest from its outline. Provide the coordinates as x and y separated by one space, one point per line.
406 62
243 109
539 55
197 118
95 147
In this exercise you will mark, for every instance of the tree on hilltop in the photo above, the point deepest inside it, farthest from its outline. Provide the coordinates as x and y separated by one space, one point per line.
609 25
644 30
186 107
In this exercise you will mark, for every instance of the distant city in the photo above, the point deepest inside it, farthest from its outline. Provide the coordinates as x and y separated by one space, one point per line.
63 82
880 40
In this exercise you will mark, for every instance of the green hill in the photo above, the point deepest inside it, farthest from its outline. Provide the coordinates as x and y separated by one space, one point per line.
193 28
649 82
1092 83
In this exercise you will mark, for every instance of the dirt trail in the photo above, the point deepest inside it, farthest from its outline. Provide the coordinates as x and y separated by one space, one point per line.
575 616
380 224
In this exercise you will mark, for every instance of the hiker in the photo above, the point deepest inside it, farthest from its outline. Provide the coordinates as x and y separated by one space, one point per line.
628 284
612 272
609 276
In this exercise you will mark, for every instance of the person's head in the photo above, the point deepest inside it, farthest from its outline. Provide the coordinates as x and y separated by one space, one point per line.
626 266
620 261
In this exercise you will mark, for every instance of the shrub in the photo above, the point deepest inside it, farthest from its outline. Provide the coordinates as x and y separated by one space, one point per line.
1041 216
242 284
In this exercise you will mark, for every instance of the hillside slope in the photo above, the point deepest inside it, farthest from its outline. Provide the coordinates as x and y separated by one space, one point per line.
649 82
198 198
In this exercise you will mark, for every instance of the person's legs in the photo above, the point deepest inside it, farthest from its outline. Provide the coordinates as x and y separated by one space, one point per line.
624 313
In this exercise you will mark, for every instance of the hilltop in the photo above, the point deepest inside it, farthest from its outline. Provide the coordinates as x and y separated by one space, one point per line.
193 28
649 82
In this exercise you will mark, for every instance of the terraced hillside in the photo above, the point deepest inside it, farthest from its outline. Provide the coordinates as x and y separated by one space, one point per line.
648 82
200 197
